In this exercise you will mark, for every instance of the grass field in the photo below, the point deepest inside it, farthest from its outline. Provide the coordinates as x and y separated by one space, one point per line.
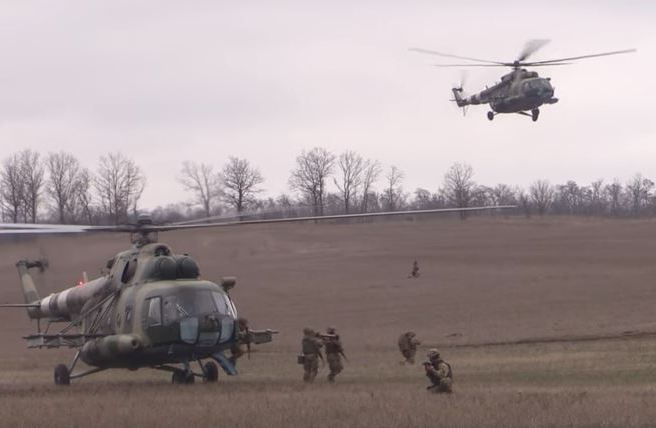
485 280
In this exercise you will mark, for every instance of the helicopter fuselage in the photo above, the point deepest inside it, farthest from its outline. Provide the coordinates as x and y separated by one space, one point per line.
517 92
150 309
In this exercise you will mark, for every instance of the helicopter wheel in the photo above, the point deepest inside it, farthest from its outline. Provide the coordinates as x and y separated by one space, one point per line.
182 377
535 113
490 115
211 372
62 376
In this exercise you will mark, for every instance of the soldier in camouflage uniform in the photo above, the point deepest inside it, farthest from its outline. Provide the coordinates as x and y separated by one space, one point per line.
439 373
311 351
408 346
243 337
334 352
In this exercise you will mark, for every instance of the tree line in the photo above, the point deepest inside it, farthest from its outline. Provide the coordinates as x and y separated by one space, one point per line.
56 188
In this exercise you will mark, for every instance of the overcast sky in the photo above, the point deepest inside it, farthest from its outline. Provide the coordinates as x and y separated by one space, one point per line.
167 81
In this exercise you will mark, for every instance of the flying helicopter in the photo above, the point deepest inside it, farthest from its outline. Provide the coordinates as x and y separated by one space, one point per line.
150 309
520 91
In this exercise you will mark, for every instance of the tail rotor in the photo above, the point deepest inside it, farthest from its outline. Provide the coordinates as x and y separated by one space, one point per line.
459 95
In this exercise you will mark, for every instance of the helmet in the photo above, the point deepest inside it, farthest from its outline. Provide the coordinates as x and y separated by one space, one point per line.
411 333
308 331
331 330
433 353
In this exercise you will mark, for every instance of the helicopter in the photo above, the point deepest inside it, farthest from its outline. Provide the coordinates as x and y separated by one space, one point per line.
520 91
150 308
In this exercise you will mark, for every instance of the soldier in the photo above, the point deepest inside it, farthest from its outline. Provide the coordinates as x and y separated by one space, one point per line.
243 337
408 346
414 273
334 353
311 353
439 373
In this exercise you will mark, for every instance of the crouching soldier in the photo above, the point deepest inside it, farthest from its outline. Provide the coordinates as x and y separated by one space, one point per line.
439 373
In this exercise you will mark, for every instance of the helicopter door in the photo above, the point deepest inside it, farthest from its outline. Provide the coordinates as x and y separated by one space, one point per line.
153 322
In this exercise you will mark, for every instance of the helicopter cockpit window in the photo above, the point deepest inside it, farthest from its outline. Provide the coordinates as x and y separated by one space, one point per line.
128 271
224 305
187 303
154 316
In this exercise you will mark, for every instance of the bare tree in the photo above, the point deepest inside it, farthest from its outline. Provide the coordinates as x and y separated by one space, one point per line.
542 194
63 175
393 193
370 175
83 198
12 187
119 183
597 201
32 172
202 181
351 167
614 192
524 202
459 185
240 181
639 192
312 170
503 194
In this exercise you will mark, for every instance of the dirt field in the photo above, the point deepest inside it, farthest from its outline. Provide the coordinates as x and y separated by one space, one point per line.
485 280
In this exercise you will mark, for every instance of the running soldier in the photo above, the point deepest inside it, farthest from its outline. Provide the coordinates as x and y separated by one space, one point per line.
334 352
414 273
408 346
311 353
439 372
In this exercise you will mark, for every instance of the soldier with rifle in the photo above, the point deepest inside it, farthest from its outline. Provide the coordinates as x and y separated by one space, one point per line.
243 338
439 372
310 354
334 352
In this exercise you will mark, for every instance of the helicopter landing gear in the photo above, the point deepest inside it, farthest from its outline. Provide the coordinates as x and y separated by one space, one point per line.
210 372
535 113
490 115
62 375
182 377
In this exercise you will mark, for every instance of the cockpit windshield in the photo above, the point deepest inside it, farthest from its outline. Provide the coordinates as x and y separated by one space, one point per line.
224 304
188 303
536 84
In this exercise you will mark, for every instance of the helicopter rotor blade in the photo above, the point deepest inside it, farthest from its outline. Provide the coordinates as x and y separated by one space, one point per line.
531 47
52 229
573 58
473 65
446 55
326 217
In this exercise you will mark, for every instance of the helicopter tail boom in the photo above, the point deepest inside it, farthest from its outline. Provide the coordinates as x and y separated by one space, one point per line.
457 97
30 294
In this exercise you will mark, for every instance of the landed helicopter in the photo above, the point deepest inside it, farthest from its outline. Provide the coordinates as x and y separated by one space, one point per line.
520 91
150 309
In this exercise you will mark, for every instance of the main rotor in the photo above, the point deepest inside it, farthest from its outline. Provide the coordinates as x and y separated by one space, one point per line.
144 231
529 49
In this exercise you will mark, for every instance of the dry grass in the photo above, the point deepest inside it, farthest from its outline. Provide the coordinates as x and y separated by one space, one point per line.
485 280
